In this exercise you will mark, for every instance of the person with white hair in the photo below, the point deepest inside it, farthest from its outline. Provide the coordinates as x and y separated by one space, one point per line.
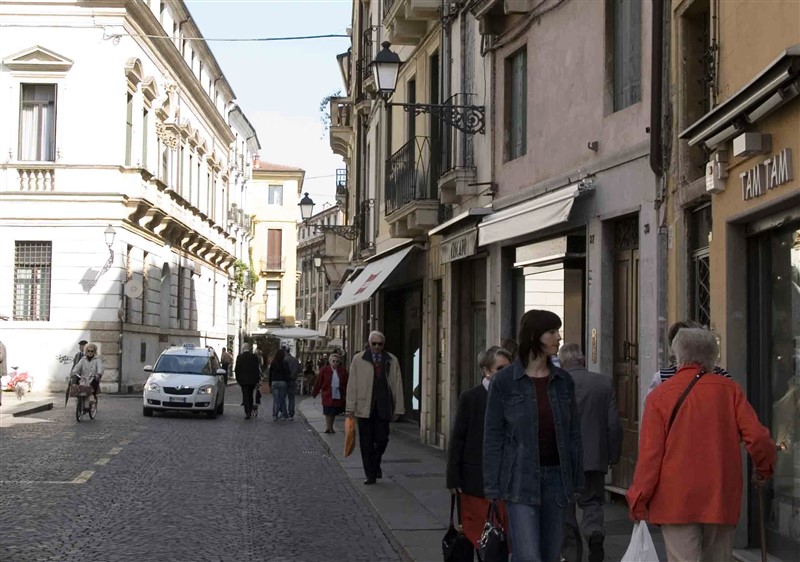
688 477
374 397
601 434
89 370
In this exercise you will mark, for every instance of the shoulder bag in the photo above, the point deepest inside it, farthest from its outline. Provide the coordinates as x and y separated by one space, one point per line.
456 547
682 398
493 545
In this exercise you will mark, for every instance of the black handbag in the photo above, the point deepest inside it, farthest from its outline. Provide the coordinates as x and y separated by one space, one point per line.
493 546
456 547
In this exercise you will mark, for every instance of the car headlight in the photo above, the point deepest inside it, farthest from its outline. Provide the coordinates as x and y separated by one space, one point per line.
152 386
205 389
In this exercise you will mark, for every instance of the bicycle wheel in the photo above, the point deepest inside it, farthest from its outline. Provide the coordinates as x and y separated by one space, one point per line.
78 408
92 410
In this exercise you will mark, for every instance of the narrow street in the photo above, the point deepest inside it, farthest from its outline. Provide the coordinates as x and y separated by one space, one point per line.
176 487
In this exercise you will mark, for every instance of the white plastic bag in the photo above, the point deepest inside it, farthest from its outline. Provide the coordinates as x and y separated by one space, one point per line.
641 548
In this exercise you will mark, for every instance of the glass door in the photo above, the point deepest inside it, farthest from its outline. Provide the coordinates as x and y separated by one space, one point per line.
774 311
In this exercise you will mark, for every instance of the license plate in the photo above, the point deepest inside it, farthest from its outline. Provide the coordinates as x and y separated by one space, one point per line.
178 399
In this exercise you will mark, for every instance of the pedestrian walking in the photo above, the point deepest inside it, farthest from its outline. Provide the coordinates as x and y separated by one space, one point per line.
374 398
225 361
248 375
309 374
332 383
78 356
601 436
662 375
294 371
692 486
279 382
532 455
465 450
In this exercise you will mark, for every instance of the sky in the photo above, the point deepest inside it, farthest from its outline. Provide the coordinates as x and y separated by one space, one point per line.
279 85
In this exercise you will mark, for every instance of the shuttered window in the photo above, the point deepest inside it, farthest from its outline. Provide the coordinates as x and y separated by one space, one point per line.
274 249
516 114
627 53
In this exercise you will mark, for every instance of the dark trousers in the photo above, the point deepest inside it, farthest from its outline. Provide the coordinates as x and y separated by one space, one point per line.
373 437
591 502
247 398
290 389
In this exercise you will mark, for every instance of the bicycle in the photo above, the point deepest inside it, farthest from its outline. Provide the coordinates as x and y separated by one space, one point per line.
85 402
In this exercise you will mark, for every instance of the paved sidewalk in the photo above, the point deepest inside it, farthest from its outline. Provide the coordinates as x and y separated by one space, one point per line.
411 502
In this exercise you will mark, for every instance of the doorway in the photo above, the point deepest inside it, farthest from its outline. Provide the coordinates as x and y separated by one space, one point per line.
403 330
626 344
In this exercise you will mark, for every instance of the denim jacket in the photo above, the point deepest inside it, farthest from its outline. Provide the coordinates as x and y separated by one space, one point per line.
511 469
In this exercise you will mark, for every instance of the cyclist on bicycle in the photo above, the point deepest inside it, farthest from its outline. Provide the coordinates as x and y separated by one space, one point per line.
89 370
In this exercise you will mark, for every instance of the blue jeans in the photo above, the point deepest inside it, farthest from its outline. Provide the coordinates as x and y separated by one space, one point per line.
536 529
279 398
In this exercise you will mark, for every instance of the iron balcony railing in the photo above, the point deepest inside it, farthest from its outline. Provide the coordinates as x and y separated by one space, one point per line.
457 146
411 174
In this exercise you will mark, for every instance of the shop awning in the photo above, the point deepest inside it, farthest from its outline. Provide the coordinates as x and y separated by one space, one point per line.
326 319
537 214
375 273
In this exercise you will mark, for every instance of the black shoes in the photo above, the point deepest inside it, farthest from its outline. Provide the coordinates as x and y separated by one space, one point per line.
379 474
596 552
247 417
369 481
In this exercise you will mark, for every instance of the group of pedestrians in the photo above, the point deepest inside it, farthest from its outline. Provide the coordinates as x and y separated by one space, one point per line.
281 372
537 439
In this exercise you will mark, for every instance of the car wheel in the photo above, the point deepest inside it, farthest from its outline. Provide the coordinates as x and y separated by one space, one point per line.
147 412
221 408
212 414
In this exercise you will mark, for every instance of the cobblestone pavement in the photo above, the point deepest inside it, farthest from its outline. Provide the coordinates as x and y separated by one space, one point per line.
177 487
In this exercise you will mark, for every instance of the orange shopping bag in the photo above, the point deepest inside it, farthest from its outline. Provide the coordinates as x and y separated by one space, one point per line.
349 436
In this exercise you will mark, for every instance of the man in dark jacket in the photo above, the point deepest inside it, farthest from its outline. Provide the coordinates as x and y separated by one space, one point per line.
601 434
294 370
79 355
248 375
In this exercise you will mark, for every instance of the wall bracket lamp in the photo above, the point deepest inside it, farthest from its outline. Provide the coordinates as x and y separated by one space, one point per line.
350 232
470 119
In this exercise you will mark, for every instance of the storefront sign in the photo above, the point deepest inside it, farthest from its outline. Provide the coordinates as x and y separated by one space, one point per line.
767 175
459 246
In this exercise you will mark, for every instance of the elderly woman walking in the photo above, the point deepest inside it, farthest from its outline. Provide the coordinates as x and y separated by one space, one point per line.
532 455
465 450
688 477
332 383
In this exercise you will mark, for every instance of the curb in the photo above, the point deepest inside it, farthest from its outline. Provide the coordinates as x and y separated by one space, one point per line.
387 530
33 409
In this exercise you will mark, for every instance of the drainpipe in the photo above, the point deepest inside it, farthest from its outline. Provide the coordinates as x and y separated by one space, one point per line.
656 85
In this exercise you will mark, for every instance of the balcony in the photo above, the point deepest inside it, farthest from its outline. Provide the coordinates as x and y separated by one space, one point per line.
406 21
273 265
458 178
341 133
412 203
36 177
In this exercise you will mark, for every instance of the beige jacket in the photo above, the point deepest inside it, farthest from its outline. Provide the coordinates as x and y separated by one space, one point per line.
359 384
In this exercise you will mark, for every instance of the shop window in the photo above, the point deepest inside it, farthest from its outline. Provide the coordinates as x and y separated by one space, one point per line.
516 88
32 277
37 123
699 235
627 53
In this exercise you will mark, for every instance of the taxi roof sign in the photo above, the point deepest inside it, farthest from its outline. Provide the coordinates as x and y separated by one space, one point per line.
188 346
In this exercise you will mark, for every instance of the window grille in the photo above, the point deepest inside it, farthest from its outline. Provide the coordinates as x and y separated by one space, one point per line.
702 287
32 275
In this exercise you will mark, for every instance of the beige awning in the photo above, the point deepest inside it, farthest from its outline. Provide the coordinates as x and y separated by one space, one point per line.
375 273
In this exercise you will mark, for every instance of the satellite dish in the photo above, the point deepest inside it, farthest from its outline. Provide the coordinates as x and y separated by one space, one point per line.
133 289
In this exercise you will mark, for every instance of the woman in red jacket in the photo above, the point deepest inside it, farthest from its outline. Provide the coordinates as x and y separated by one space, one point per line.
332 382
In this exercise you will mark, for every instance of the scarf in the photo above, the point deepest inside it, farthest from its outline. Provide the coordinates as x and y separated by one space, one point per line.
335 393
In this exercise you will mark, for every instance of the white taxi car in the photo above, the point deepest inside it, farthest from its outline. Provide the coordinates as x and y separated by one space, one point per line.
185 378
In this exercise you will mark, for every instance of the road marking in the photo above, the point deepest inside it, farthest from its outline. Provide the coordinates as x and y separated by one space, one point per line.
125 442
104 460
115 451
83 477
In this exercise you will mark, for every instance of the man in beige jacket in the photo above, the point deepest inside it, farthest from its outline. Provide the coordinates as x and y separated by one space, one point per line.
374 397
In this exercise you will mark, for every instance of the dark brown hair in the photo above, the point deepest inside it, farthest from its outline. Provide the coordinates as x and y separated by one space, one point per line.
534 324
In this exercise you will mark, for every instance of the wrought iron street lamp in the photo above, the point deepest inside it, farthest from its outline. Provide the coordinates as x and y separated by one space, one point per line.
109 235
307 210
385 68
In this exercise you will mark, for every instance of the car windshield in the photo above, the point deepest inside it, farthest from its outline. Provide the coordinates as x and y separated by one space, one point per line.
184 364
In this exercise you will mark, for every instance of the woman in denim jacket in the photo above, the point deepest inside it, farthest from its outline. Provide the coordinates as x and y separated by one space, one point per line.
532 454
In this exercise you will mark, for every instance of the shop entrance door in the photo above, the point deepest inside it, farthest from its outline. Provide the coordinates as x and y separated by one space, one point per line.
626 344
403 331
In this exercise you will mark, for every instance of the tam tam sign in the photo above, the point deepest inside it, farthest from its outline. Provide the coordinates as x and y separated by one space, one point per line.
767 175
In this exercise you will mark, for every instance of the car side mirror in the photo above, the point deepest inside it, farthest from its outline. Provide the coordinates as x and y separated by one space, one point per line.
148 369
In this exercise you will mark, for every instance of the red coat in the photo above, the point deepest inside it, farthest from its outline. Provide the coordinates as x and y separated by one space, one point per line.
694 474
323 385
